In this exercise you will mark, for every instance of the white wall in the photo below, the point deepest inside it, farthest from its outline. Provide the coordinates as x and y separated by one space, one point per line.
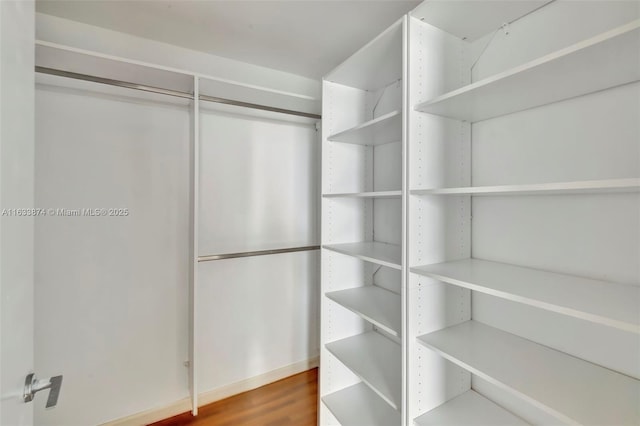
16 191
258 190
111 292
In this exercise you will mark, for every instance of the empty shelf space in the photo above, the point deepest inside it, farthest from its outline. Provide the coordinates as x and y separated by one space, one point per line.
380 307
376 360
612 304
582 68
384 129
358 405
568 388
371 251
372 194
577 187
469 409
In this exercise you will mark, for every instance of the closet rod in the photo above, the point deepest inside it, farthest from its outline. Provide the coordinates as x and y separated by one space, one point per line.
256 106
118 83
175 93
255 253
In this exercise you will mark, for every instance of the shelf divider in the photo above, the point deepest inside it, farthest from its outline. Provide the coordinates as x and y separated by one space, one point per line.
577 70
611 304
568 388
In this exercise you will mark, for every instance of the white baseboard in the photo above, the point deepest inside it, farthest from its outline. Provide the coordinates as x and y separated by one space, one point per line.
184 405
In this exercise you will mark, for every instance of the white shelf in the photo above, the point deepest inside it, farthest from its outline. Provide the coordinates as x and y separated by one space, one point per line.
376 65
376 360
469 409
384 129
612 304
371 251
607 60
568 388
372 194
380 307
358 405
577 187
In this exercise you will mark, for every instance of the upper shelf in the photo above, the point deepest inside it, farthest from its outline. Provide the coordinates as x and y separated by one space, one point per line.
470 408
607 60
376 65
611 304
380 307
570 389
384 129
371 251
358 405
578 187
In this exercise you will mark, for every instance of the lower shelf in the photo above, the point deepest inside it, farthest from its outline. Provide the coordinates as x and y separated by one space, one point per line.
568 388
469 409
376 360
358 405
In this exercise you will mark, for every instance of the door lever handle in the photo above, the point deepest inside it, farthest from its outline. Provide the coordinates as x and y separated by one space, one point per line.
32 385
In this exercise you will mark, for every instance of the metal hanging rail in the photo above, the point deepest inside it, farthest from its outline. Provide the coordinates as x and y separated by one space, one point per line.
255 253
257 106
169 92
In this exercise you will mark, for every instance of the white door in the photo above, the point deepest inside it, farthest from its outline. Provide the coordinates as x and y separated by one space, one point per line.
16 193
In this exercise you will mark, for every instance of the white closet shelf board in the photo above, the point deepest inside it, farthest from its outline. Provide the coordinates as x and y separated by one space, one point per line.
381 130
611 304
373 194
607 60
577 187
468 409
568 388
380 307
371 251
376 65
76 61
376 360
358 405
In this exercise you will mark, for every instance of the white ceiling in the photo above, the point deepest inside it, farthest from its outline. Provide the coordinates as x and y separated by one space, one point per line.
304 37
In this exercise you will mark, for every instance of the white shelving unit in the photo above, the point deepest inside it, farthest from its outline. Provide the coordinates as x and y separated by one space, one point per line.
528 310
522 235
362 307
568 388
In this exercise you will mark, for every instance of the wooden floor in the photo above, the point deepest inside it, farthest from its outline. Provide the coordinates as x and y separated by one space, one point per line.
291 401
